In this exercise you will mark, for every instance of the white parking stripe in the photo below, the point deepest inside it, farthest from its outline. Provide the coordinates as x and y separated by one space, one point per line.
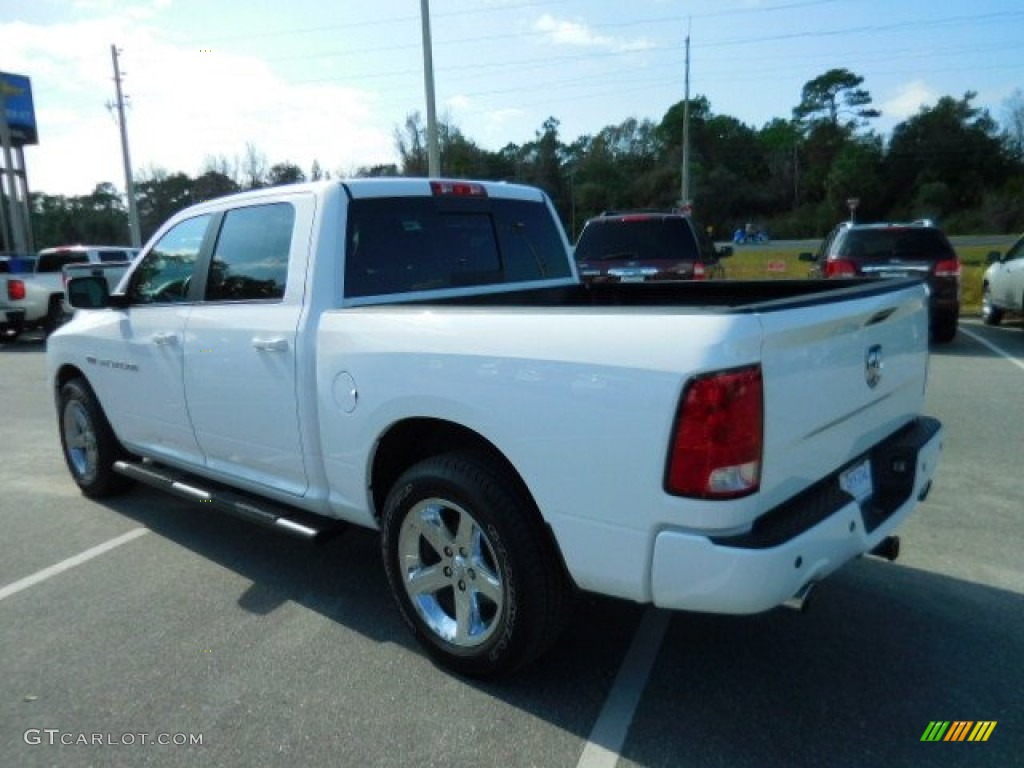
71 562
609 732
998 350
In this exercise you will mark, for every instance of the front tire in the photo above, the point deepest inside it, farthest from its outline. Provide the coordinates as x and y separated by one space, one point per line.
88 442
990 314
474 575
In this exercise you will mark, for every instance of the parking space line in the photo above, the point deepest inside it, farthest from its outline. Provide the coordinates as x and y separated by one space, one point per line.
39 576
998 350
609 731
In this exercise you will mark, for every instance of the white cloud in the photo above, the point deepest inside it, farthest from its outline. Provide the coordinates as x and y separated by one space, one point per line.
185 105
907 101
577 34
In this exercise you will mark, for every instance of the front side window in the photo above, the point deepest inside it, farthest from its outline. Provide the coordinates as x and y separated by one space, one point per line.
165 273
250 260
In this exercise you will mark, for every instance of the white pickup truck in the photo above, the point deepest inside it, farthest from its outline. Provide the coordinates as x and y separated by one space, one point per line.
38 296
420 357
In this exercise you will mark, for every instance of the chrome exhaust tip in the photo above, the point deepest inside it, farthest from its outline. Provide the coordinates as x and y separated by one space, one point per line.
801 601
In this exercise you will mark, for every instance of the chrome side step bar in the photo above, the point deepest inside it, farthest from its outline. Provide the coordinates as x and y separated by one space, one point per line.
252 509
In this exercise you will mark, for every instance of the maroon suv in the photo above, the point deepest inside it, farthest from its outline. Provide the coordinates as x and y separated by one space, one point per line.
640 246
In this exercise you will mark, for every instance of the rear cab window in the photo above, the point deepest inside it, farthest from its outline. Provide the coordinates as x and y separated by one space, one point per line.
54 261
412 244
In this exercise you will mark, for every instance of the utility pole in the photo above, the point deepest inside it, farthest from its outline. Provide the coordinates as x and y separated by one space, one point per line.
129 183
684 188
433 152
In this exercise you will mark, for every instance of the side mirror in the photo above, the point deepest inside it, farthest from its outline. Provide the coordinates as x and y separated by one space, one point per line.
88 292
807 257
724 251
993 257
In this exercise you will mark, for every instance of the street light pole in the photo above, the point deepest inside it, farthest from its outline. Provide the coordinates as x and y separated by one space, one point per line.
433 152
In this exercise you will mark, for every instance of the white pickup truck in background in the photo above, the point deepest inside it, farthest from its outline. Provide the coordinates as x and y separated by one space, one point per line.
420 357
38 296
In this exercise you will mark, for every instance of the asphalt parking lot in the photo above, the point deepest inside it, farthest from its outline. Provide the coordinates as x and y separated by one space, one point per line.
141 632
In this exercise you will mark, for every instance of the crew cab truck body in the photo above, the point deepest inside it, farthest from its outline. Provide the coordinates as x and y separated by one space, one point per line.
420 358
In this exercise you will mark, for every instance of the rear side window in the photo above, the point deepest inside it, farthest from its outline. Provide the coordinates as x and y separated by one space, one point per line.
403 245
637 239
250 260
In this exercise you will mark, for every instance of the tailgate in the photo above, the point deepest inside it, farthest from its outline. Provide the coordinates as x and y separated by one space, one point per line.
839 377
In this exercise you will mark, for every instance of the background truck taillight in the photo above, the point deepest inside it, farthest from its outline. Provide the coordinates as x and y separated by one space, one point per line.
717 443
15 290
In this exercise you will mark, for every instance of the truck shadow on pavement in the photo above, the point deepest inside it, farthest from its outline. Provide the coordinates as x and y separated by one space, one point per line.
883 651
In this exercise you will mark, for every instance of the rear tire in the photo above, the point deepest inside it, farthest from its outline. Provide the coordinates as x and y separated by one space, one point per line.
475 577
54 315
944 330
89 445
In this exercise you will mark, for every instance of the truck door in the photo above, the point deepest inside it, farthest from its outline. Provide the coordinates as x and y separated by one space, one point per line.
240 354
136 362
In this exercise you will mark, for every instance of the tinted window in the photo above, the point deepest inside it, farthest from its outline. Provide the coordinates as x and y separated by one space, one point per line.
895 243
250 260
415 244
1016 251
165 273
637 239
55 261
118 255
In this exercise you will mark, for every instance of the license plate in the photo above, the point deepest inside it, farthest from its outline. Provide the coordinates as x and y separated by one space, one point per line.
856 481
632 278
893 274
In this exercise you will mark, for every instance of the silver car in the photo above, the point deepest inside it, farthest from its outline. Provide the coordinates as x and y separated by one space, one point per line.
1003 284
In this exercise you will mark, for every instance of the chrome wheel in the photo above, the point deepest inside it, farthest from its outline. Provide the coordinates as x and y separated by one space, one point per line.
450 574
80 441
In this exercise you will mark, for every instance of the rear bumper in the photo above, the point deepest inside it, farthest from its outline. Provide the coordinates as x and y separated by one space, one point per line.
803 540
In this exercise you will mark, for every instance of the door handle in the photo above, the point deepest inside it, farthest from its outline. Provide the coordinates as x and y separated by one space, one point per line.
270 345
165 339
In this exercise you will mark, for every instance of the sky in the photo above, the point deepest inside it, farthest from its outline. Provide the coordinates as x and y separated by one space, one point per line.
331 80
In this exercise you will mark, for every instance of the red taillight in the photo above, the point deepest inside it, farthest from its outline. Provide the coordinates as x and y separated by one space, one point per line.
700 272
457 189
719 435
840 268
15 289
948 268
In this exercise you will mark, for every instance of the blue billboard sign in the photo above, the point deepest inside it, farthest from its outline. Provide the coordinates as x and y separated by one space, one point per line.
21 114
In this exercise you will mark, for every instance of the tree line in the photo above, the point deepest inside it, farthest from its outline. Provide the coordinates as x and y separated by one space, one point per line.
794 177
